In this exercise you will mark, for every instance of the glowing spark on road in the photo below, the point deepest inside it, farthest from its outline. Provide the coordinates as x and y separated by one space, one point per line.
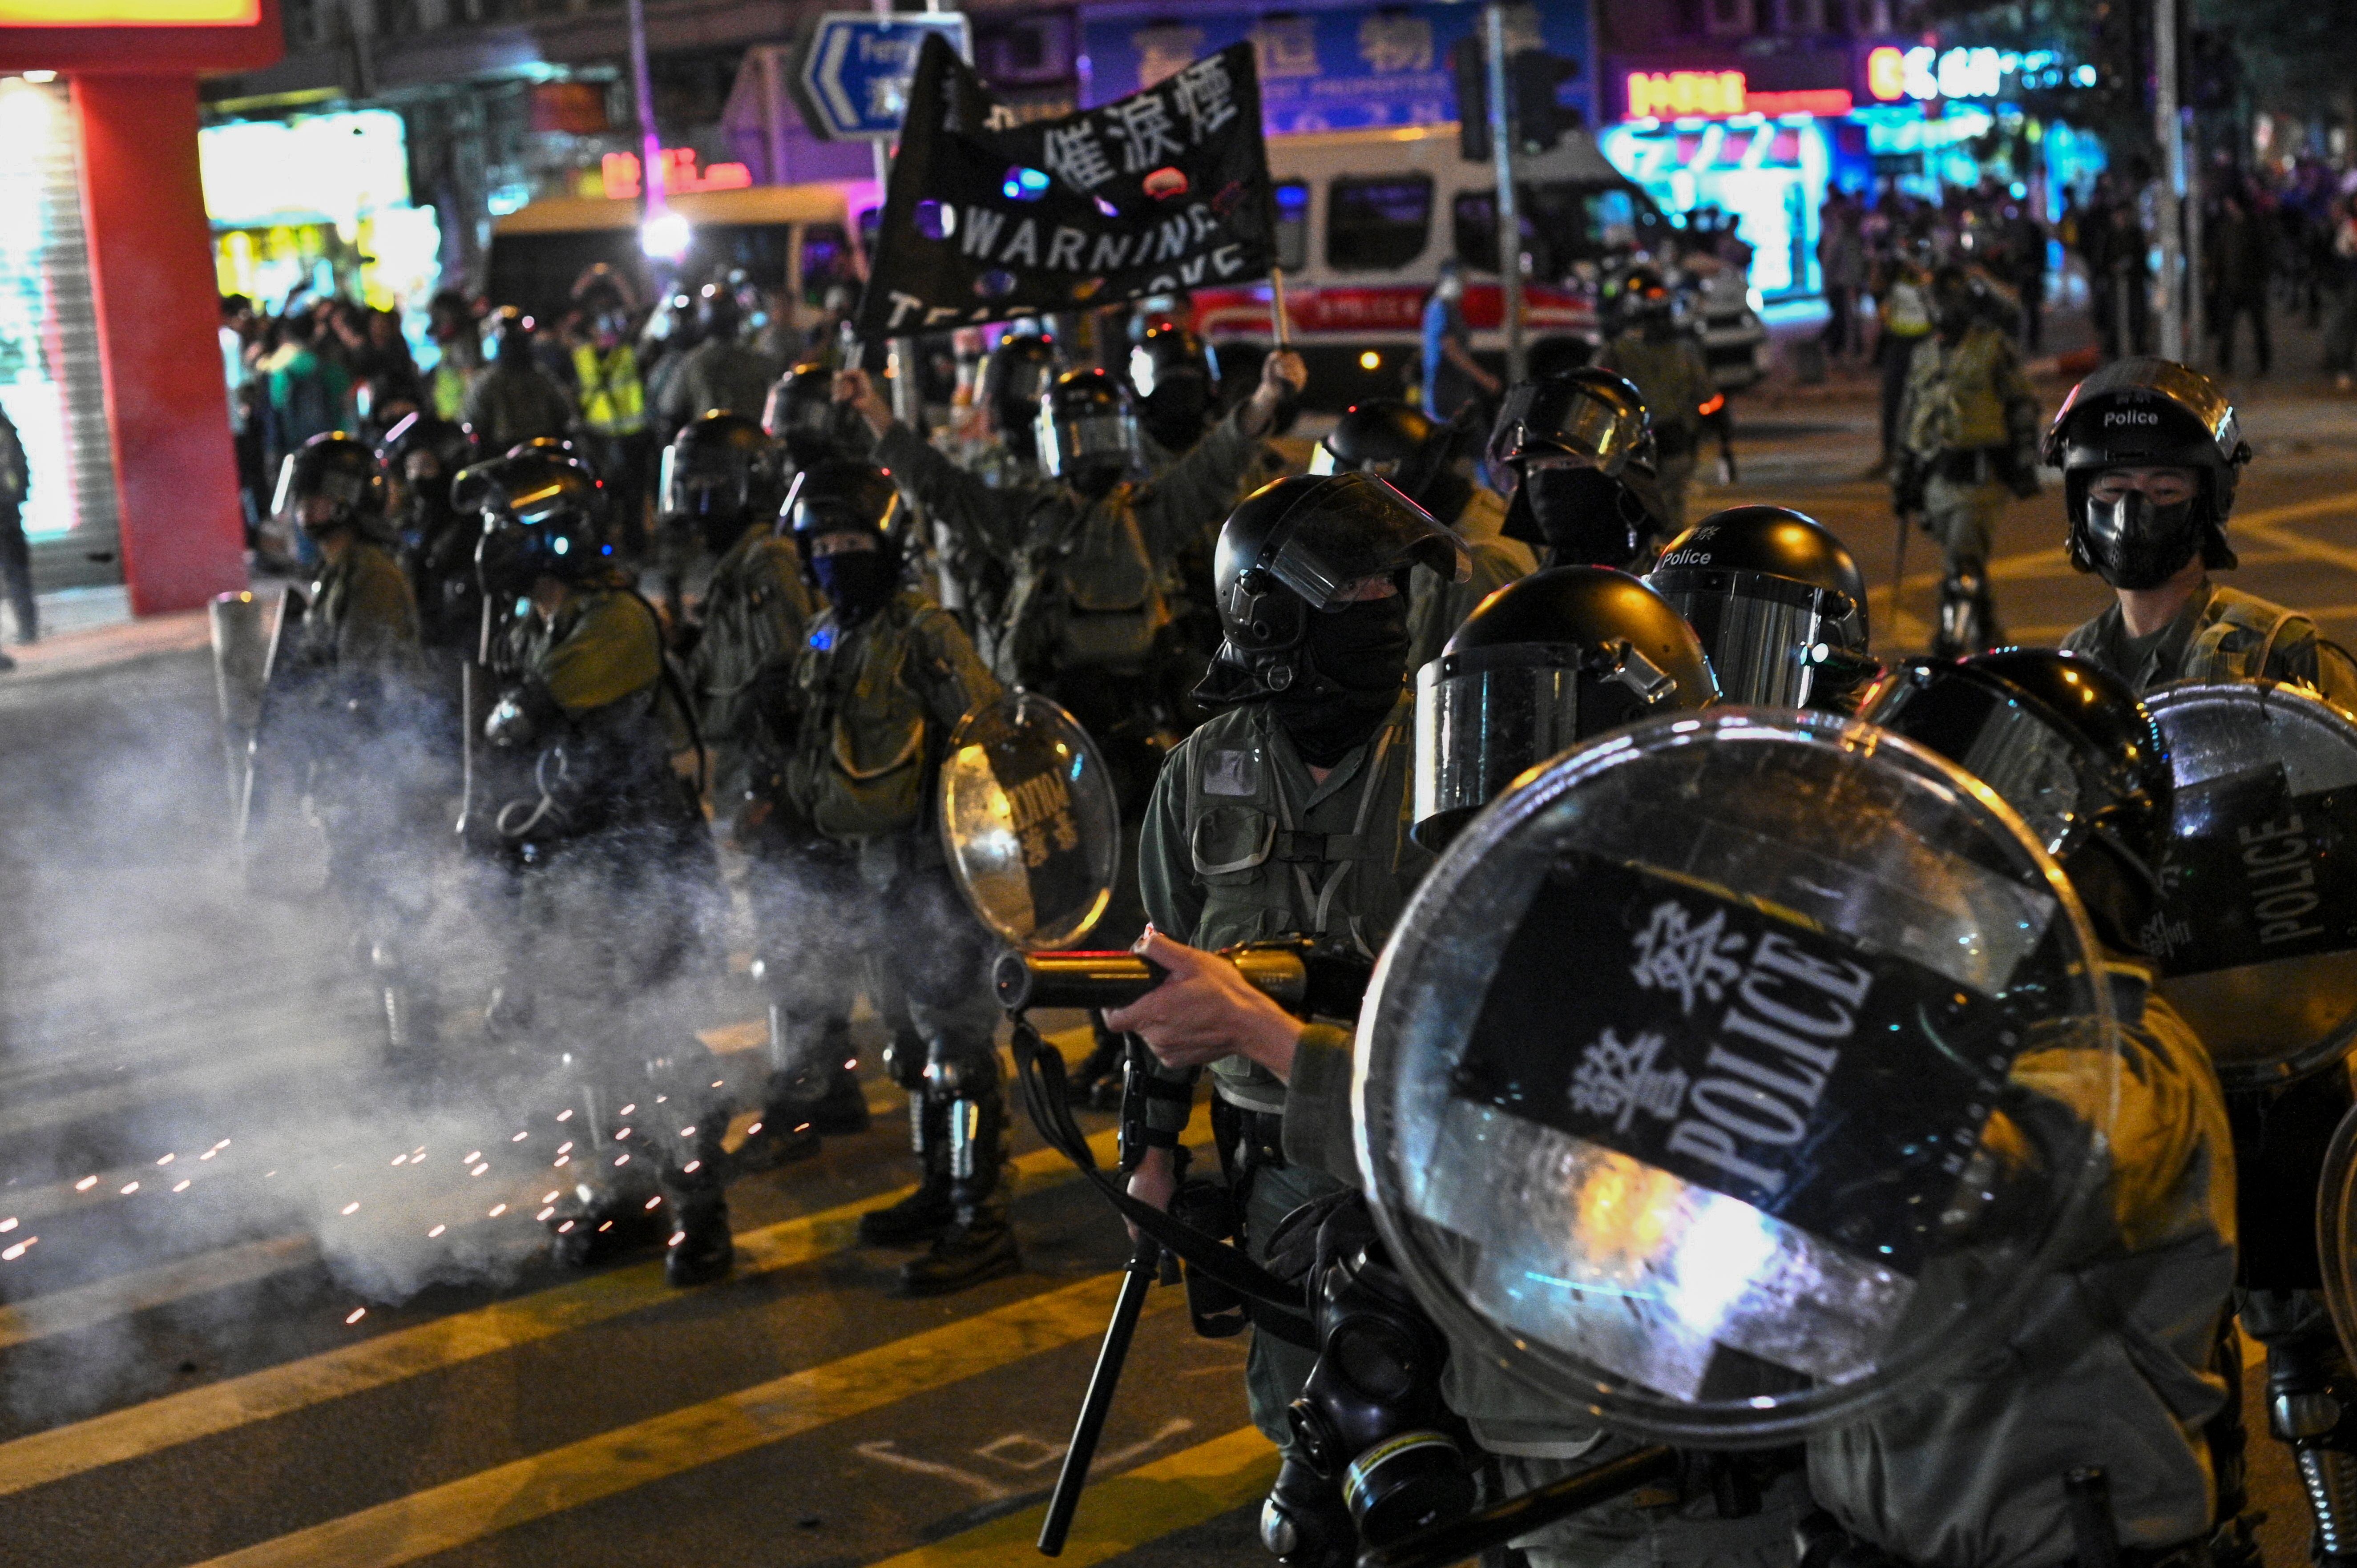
435 1232
358 1313
480 1169
621 1135
168 1159
401 1159
470 1159
691 1167
545 1215
753 1129
551 1195
86 1184
183 1185
518 1138
628 1109
130 1188
623 1160
351 1208
9 1223
17 1252
564 1115
497 1211
563 1160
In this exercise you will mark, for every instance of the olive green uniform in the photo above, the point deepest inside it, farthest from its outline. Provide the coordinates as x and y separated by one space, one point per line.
1967 421
875 704
2280 1132
1673 376
1437 608
1242 842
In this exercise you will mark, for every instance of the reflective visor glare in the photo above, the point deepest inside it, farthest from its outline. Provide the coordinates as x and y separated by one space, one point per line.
1758 649
1600 430
2017 754
1321 461
1141 372
1069 442
285 498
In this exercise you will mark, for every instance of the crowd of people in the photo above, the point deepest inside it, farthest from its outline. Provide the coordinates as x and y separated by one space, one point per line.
1305 687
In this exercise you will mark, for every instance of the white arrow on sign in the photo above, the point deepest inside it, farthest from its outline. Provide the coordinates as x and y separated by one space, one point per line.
826 74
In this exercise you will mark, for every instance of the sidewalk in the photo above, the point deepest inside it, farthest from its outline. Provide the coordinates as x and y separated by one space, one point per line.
84 629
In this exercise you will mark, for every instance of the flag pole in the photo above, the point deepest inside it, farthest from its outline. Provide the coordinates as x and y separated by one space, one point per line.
1277 318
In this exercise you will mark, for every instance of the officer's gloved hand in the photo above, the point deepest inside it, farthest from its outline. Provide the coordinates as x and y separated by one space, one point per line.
521 716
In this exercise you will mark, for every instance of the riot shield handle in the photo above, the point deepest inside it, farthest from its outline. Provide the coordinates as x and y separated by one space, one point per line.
1500 1523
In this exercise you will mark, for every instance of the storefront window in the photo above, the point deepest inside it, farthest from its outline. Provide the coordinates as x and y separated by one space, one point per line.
1375 225
50 377
1769 176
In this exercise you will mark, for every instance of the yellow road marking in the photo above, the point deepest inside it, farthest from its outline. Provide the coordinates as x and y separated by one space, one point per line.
1122 1512
2300 544
441 1518
193 1414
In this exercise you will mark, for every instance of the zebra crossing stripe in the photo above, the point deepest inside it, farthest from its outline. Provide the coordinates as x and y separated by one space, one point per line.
458 1513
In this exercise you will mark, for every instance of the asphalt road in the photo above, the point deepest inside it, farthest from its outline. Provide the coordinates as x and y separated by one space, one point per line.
208 1357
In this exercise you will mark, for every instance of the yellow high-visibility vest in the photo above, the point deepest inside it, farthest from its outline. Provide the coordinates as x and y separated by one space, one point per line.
613 398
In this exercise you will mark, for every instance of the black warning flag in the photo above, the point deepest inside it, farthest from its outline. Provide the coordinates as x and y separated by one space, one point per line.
990 218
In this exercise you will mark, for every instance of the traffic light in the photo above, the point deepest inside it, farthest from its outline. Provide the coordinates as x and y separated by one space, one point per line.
1532 78
1469 61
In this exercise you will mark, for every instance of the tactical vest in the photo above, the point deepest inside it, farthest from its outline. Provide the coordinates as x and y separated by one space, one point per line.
2240 635
613 398
1262 876
861 766
756 613
1088 597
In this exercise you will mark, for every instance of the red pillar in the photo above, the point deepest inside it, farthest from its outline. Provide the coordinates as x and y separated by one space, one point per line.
158 318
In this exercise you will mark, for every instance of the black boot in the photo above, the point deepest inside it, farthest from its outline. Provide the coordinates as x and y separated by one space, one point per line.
970 1251
779 1138
979 1244
927 1212
701 1250
597 1222
843 1110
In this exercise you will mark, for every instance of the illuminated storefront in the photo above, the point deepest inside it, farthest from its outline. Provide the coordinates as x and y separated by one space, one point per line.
317 203
108 361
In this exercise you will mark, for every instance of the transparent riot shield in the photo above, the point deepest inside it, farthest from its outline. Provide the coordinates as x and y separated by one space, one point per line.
1028 822
1731 1072
2336 1213
2255 937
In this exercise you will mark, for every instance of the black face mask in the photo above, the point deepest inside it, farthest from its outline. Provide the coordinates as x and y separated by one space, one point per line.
722 527
1096 479
856 582
1589 519
1173 416
1358 657
2132 543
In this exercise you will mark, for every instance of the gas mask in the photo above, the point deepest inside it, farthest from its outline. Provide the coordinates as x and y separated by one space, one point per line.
856 581
1358 654
2134 544
1173 412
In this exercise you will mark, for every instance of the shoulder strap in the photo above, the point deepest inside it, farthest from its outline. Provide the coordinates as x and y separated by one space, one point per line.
2234 612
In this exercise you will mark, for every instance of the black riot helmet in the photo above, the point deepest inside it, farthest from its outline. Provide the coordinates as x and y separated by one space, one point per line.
1382 437
1086 434
1775 599
540 520
802 413
2147 414
1017 373
842 497
339 470
1645 299
513 332
421 450
559 449
720 473
1397 444
2067 745
1578 450
1548 660
1298 546
1173 375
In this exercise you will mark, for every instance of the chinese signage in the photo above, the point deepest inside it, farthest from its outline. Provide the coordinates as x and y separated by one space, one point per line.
1721 94
1923 74
1329 70
617 174
989 218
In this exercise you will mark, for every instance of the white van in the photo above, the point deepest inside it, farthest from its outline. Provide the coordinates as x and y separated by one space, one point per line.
1366 217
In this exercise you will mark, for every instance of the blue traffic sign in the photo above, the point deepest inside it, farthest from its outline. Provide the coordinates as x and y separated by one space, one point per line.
856 68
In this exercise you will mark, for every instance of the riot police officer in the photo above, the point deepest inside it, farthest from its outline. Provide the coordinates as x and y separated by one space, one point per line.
1578 450
1175 379
350 704
719 372
722 469
1425 462
420 457
1779 603
1672 376
2150 453
1286 812
802 416
1967 432
883 677
2130 1324
512 399
618 891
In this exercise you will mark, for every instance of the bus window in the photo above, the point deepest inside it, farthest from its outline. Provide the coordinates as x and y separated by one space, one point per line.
826 262
1292 225
1473 219
1377 224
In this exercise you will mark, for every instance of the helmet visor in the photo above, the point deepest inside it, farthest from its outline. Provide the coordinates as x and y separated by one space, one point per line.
696 484
1766 636
1067 446
2038 768
1566 419
1355 527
